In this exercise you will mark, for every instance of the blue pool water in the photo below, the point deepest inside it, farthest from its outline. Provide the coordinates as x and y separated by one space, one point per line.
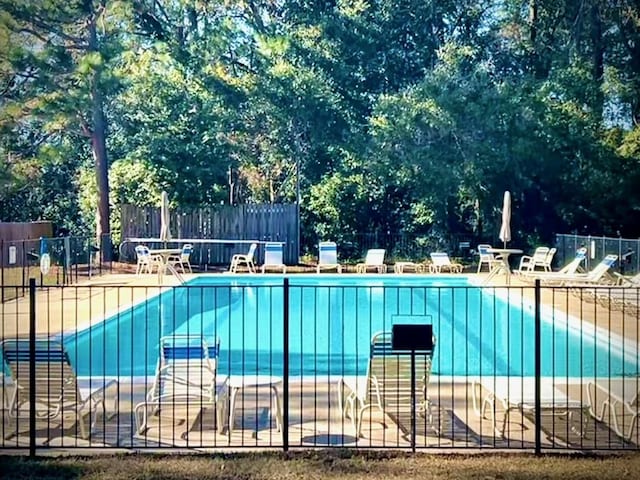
331 322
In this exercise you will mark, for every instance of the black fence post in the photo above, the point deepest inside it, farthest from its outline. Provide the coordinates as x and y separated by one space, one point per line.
32 367
413 401
285 368
24 264
537 353
2 264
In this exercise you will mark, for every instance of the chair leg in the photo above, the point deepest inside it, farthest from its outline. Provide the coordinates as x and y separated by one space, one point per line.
140 414
80 419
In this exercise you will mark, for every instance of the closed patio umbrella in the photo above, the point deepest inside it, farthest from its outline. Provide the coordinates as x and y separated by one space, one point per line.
165 232
505 228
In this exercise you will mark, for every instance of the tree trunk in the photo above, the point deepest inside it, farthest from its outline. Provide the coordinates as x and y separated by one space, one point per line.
598 58
533 35
99 149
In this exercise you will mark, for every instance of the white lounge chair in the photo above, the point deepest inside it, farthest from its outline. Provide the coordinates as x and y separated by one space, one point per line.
387 385
406 267
374 260
182 260
627 281
517 393
440 261
328 257
6 383
146 261
597 275
186 377
58 389
490 259
247 260
573 267
620 403
546 266
273 257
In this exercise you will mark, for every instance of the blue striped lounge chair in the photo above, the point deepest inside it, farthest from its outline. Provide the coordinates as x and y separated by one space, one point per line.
328 257
273 257
58 389
387 384
185 381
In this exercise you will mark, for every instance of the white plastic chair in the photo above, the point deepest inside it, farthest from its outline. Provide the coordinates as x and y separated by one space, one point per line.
146 261
487 258
182 260
529 263
247 260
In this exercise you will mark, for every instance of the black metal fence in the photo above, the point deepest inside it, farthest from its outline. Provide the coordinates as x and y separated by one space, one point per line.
399 246
300 362
627 249
52 261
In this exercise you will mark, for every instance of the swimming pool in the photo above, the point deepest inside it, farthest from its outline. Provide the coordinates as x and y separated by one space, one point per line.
331 319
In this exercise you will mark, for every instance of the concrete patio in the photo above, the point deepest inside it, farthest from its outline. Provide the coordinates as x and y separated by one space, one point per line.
314 418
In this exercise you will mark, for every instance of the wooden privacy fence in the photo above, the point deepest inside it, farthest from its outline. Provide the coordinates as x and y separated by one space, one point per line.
263 222
14 238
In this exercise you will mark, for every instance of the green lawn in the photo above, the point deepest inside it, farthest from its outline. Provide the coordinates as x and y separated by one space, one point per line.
325 465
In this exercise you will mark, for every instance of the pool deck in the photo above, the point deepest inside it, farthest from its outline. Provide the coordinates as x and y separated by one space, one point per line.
314 417
315 421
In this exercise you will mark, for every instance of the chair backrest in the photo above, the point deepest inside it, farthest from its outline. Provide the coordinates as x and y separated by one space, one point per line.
572 266
440 259
485 256
187 347
252 251
56 383
390 372
187 366
327 253
375 256
540 255
599 270
187 249
549 257
273 254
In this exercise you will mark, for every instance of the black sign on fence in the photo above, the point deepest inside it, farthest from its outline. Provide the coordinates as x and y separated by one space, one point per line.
412 337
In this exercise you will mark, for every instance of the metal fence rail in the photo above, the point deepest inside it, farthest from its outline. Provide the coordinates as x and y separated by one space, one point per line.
288 364
627 249
69 260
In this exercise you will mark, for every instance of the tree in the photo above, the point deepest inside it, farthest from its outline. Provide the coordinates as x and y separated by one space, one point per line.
56 74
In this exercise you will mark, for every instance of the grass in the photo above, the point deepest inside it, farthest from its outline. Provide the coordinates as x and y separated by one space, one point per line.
325 465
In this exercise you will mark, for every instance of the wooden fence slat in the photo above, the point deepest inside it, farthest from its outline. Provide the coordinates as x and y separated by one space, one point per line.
276 222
